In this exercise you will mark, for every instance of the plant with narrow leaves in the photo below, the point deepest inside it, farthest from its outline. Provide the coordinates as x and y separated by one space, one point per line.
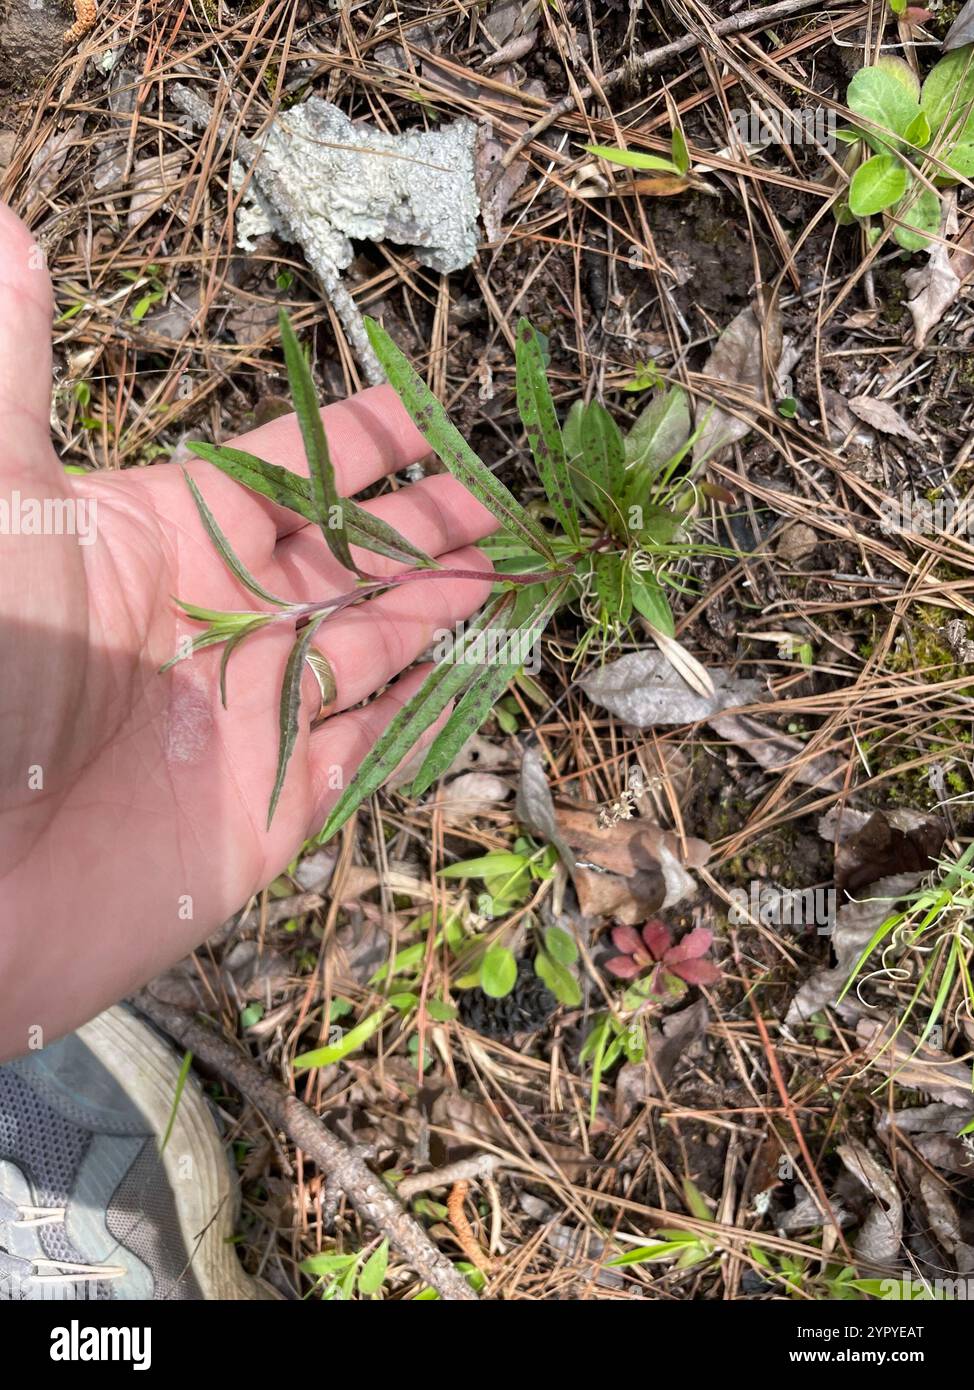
932 931
912 142
621 506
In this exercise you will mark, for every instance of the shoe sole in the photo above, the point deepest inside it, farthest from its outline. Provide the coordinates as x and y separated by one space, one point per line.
194 1159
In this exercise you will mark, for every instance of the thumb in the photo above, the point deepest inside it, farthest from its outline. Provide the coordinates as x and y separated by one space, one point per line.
26 313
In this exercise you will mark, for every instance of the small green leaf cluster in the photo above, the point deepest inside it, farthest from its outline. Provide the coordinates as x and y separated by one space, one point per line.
921 138
508 879
344 1277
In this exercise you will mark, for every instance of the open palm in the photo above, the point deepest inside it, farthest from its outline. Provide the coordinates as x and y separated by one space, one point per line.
133 807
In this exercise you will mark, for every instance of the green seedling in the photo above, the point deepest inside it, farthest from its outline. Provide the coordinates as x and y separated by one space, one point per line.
608 539
910 143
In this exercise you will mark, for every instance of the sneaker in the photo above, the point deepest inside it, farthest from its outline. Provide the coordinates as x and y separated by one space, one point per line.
93 1203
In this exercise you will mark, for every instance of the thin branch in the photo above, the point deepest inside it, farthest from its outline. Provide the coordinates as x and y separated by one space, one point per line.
367 1194
645 62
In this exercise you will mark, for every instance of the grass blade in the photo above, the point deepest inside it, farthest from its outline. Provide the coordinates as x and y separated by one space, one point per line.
447 679
293 491
329 507
229 557
537 411
291 708
449 445
633 159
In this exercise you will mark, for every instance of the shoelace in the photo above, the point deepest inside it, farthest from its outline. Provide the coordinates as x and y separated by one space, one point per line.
40 1270
55 1271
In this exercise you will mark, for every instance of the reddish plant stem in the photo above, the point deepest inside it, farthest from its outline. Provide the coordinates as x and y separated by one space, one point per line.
336 605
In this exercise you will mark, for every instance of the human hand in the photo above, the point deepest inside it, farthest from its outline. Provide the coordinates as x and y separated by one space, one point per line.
133 807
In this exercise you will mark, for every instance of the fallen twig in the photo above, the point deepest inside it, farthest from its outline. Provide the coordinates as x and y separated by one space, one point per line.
368 1195
644 62
464 1170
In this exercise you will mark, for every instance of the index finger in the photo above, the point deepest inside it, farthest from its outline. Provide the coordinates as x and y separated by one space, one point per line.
370 435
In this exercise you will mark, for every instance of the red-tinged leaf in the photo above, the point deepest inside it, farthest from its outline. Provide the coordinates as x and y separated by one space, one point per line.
658 938
718 493
626 940
660 187
696 943
695 972
623 967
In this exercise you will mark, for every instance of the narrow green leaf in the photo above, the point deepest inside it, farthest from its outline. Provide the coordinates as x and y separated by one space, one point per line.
206 639
293 491
291 707
329 507
613 586
373 1274
467 717
372 533
679 151
187 1062
449 445
354 1039
235 565
649 600
479 700
232 644
633 159
501 862
447 679
537 411
660 431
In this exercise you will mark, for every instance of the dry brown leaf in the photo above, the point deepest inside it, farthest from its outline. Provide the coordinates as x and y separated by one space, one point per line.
941 1211
738 361
936 286
629 869
881 1234
152 182
796 542
962 29
881 416
902 841
472 794
535 808
855 923
779 752
923 1069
